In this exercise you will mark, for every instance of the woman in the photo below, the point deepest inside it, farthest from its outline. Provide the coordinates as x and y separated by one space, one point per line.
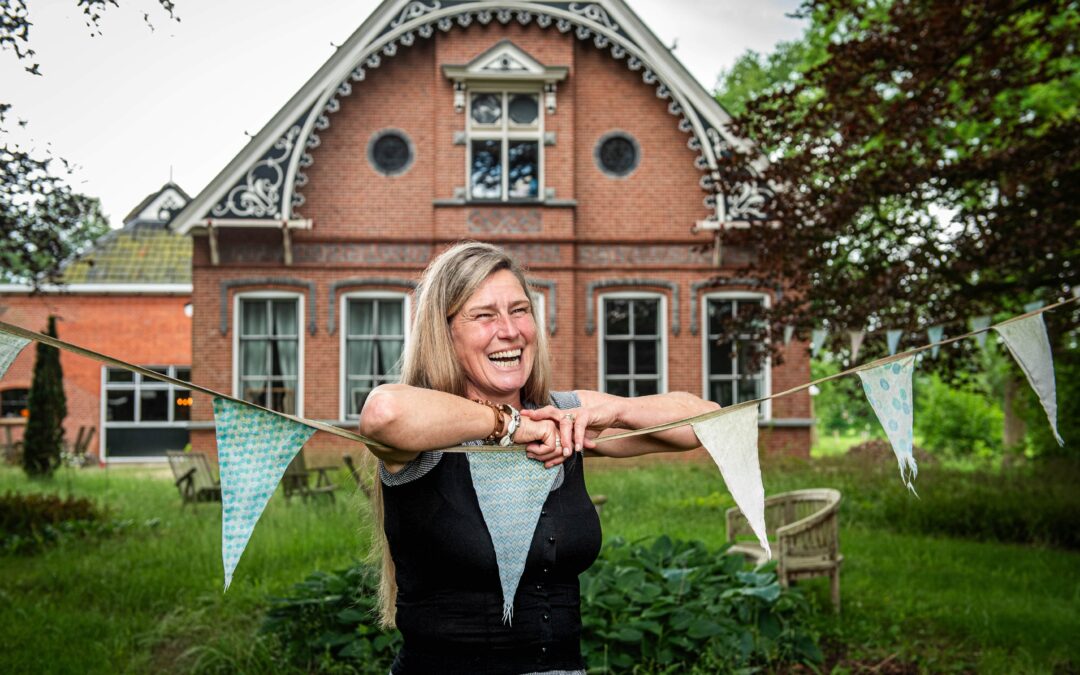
475 338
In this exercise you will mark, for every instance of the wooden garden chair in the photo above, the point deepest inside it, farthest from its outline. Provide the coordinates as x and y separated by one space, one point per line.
806 536
297 480
194 477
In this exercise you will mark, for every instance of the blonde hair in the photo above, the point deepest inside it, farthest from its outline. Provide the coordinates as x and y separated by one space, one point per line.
431 362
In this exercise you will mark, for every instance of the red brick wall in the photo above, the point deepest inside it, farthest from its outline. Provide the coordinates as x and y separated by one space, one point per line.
139 329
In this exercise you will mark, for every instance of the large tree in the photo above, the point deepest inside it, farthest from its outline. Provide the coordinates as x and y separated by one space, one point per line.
925 157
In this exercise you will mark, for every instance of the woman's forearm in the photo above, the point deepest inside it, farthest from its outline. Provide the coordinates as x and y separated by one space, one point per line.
648 411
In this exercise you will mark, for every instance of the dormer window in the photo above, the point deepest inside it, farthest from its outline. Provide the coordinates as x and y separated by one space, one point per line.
504 93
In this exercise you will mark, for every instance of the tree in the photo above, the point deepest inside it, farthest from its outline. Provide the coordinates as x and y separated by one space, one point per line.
924 160
44 437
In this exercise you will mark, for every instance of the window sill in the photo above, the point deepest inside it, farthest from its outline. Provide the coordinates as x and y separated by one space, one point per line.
549 203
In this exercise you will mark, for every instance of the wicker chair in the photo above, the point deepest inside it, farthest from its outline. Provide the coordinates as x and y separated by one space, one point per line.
807 539
195 479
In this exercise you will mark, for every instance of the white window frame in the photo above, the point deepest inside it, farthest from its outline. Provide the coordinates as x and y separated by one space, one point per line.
343 308
601 333
505 134
539 302
765 412
134 386
300 329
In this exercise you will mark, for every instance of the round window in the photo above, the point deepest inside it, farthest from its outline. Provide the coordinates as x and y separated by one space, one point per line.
486 108
617 154
390 152
523 109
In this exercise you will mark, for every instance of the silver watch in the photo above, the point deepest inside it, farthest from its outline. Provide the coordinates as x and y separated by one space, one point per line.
511 429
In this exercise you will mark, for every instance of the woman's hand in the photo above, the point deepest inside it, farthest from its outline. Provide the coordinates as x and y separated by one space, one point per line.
578 427
542 440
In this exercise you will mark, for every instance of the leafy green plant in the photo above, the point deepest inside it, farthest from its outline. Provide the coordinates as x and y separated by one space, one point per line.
28 521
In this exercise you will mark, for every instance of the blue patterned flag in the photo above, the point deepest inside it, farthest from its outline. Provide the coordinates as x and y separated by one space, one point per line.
817 338
892 337
10 346
1030 346
511 489
980 323
254 448
888 388
935 333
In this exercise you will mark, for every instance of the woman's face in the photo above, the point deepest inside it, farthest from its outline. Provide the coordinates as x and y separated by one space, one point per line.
495 339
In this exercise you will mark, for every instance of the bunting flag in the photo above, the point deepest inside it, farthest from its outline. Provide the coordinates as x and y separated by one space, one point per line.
10 346
935 333
893 338
732 442
254 448
1030 346
1032 306
789 332
511 489
980 323
817 338
856 343
888 388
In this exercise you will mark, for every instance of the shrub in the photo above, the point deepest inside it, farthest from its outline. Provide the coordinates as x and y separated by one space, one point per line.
667 607
27 521
957 421
44 435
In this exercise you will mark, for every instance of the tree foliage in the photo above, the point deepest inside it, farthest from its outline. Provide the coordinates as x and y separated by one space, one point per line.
44 437
925 158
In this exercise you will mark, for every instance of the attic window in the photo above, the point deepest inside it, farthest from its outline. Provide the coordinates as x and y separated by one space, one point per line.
504 146
390 152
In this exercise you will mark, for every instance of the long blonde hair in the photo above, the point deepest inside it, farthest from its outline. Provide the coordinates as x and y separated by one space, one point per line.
430 362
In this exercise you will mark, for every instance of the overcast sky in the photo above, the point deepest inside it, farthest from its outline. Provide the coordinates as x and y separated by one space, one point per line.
132 104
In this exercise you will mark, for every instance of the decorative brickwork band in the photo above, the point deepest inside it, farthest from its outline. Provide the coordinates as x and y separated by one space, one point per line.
550 287
331 324
590 304
266 281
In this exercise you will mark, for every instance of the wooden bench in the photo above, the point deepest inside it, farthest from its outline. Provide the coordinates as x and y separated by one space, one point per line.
195 479
806 535
296 480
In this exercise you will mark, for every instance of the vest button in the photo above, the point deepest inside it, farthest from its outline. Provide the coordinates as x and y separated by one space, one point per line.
544 512
551 540
546 617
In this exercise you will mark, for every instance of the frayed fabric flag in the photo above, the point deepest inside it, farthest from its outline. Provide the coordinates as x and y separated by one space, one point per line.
10 346
817 338
935 333
892 337
857 337
888 388
980 323
511 490
1033 306
732 442
254 449
789 332
1030 346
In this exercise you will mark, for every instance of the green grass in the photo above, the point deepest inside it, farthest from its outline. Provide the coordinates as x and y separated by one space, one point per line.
150 600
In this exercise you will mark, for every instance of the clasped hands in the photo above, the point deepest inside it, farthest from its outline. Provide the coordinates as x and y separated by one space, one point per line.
551 434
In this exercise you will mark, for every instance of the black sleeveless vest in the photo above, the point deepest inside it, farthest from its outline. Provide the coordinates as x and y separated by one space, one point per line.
449 604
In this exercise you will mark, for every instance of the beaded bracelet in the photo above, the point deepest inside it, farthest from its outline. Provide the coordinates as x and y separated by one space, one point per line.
499 429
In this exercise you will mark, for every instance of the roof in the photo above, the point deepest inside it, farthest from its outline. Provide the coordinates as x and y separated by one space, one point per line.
263 183
169 199
134 255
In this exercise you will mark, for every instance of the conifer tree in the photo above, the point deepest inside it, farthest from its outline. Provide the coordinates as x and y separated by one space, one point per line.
44 436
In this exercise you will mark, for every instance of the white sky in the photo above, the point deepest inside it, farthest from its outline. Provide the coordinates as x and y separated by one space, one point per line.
129 104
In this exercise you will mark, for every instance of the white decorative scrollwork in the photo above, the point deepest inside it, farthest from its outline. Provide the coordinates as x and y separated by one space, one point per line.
544 20
358 75
524 18
445 24
709 201
464 20
301 179
674 108
344 89
648 77
333 105
663 92
298 199
593 13
634 63
706 182
600 41
685 126
563 25
504 15
484 16
583 32
617 52
313 142
306 160
415 10
720 145
390 48
693 143
700 163
425 31
259 195
373 61
747 203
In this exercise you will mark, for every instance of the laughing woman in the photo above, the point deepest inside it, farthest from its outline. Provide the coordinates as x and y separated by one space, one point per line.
477 370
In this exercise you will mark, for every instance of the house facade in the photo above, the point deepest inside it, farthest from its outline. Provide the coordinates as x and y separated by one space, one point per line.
564 132
128 297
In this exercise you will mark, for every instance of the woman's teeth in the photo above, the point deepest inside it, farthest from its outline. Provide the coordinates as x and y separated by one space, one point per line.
507 359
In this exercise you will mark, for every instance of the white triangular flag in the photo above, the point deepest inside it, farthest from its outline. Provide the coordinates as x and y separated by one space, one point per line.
935 333
1076 291
10 346
511 490
254 448
1030 346
789 332
856 343
888 388
731 440
817 338
893 339
980 323
1032 306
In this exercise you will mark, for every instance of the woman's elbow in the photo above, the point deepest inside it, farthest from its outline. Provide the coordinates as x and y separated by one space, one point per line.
381 409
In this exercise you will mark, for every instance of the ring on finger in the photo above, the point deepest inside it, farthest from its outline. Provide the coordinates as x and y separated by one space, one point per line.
569 416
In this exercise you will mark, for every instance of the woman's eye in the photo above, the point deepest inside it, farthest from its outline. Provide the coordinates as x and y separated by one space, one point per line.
521 311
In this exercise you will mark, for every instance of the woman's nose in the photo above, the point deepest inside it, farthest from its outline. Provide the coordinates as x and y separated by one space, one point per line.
508 328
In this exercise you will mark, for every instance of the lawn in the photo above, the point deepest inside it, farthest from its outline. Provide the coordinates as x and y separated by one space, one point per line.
149 598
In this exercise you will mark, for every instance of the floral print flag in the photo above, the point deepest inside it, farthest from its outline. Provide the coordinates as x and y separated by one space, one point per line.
888 388
254 448
10 346
1030 346
732 442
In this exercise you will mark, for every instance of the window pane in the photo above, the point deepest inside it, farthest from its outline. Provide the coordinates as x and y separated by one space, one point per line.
645 357
253 313
119 375
749 362
720 358
120 406
154 405
359 357
389 352
722 392
523 170
645 387
361 317
617 313
719 315
487 108
182 405
523 109
283 358
255 392
391 317
183 373
749 389
617 357
14 403
253 357
283 396
486 169
358 392
618 387
646 317
285 317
